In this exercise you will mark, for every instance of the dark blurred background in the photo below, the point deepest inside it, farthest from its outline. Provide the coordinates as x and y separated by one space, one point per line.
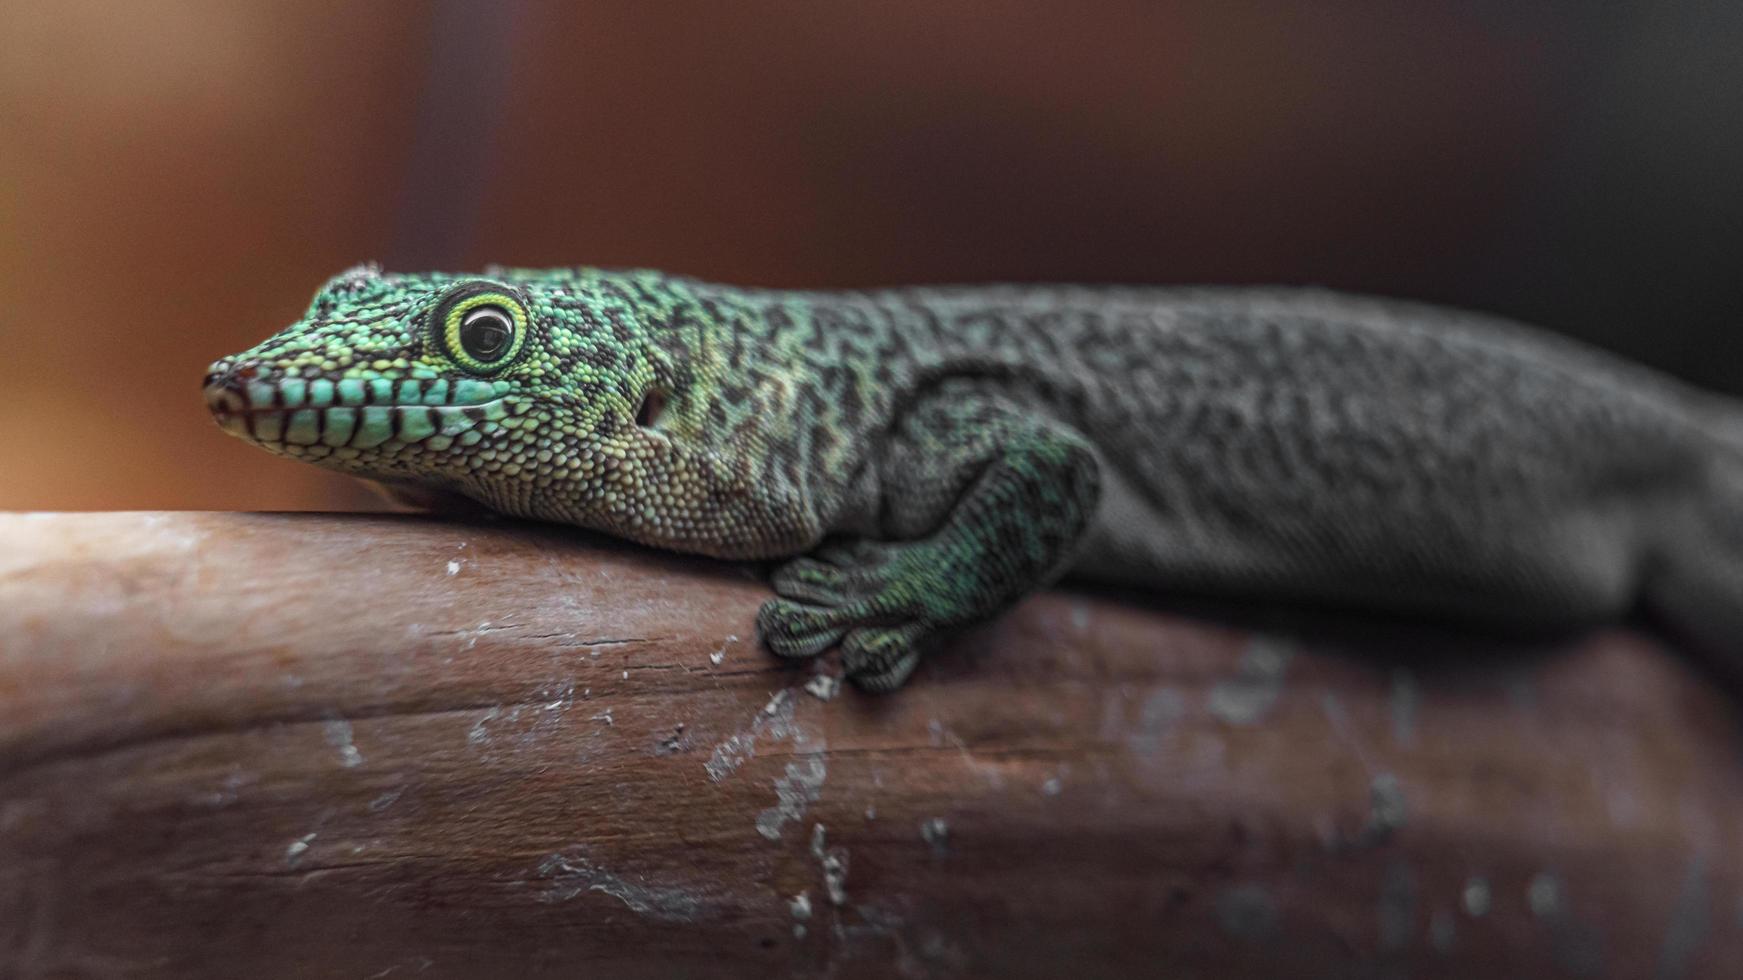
177 178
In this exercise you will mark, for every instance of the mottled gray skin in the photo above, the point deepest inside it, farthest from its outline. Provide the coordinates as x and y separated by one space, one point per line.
1309 445
1312 444
925 457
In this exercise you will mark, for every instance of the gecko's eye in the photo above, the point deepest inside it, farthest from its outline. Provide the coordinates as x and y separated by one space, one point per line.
485 332
482 328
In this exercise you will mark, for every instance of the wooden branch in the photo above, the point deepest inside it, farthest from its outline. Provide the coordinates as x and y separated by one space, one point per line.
307 745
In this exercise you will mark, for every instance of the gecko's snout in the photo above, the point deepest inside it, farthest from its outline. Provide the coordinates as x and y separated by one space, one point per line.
225 396
306 411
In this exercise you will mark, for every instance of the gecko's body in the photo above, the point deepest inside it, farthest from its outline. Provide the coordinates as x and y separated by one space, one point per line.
925 457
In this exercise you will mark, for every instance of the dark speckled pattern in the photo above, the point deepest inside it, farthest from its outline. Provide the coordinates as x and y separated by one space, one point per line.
934 454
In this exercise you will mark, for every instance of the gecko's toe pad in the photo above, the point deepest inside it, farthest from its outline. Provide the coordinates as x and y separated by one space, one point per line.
799 629
880 658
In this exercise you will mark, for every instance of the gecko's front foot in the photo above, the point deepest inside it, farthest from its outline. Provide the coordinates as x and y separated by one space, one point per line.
880 601
1004 496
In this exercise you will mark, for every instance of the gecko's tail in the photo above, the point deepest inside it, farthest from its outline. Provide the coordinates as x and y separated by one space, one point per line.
1696 584
1726 416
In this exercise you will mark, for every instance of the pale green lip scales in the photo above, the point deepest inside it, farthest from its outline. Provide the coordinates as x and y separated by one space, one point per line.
350 413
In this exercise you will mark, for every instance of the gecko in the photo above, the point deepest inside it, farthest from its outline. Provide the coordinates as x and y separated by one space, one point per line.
913 461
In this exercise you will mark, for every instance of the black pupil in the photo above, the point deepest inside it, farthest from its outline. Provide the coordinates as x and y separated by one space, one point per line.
485 333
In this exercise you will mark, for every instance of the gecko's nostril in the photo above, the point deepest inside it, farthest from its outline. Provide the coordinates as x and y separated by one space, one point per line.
223 390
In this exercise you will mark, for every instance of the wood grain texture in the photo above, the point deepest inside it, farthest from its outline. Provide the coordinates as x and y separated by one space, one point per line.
308 745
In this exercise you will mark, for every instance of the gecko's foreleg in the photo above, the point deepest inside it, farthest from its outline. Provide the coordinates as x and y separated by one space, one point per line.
983 503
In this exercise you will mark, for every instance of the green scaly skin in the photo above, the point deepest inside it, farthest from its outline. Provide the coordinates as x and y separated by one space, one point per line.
923 458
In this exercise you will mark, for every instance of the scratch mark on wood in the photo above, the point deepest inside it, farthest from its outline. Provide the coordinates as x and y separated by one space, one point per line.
573 871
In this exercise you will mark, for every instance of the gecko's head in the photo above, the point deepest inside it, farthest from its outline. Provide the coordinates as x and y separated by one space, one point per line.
495 387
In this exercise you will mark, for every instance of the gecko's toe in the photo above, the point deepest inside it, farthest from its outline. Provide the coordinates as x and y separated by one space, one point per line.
882 658
798 629
862 591
808 580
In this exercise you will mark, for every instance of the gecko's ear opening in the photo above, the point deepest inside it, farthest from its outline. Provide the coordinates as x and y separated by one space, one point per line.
653 404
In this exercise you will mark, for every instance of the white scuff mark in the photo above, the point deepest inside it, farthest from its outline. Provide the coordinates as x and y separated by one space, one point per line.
626 675
802 778
942 735
542 716
935 831
1543 894
1052 786
293 855
1623 807
604 716
479 733
834 863
421 964
338 732
453 568
719 656
1157 718
800 905
823 687
800 786
386 800
835 877
1388 812
920 951
773 722
230 790
1246 698
1476 896
572 871
871 813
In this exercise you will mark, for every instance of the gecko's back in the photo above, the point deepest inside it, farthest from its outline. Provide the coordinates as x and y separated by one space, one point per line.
1315 445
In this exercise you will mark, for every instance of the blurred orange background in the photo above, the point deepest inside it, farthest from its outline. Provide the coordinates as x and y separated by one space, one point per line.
177 178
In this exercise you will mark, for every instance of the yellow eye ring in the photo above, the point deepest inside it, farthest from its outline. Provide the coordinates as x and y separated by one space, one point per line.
483 331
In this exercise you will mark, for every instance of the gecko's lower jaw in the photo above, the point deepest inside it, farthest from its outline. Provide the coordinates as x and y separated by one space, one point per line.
346 416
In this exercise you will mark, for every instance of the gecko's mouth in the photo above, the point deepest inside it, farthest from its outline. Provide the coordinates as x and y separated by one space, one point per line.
347 413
